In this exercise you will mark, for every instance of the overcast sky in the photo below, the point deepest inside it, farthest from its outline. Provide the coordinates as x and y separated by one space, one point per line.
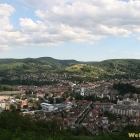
86 30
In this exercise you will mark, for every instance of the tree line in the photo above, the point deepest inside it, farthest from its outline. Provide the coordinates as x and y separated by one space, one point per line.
29 82
7 88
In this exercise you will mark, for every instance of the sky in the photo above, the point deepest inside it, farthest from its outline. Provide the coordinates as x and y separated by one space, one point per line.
84 30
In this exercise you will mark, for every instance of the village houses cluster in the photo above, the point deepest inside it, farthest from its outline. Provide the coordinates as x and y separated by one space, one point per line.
107 111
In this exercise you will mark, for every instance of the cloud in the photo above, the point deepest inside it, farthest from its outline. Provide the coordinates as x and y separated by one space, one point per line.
6 10
9 35
29 25
74 21
5 48
97 18
61 21
55 35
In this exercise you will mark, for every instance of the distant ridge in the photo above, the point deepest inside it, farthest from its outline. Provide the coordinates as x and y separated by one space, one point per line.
49 59
106 68
33 65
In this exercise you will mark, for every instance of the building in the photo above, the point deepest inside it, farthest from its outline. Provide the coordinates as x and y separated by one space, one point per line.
52 107
82 91
48 107
2 105
127 107
103 106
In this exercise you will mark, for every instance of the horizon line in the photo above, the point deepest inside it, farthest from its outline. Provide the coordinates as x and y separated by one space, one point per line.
72 59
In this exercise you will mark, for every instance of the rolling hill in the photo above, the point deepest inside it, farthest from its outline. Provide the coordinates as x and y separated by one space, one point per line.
107 68
33 65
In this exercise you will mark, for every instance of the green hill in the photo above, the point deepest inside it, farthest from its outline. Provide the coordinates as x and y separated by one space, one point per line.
32 65
107 68
120 66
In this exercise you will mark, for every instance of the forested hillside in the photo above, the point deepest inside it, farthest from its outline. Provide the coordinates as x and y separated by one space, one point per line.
104 69
31 65
117 68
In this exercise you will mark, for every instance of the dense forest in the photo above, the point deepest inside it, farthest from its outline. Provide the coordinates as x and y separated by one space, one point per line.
7 88
126 88
117 68
28 82
17 127
31 65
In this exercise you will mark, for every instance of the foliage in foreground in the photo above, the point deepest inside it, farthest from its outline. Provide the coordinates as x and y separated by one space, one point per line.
16 127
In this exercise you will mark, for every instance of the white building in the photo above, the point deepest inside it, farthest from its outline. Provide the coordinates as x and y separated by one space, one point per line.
2 105
127 107
82 91
48 107
105 120
52 107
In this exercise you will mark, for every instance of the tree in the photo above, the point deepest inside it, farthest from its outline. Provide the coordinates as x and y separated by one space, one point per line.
58 100
106 99
54 127
13 107
71 98
51 100
30 91
18 96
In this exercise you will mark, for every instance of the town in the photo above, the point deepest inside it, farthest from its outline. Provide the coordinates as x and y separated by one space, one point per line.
96 106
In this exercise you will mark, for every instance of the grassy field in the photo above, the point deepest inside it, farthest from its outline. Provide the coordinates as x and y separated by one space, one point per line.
76 67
